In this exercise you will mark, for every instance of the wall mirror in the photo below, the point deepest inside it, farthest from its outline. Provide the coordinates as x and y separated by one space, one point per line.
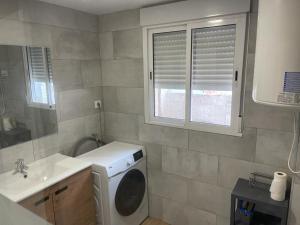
27 97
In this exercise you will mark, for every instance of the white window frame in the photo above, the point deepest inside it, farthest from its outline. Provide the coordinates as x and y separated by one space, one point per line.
236 119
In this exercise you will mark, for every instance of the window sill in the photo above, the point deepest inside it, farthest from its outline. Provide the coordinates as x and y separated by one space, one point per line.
214 129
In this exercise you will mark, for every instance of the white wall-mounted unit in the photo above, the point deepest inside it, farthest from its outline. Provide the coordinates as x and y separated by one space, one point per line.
277 60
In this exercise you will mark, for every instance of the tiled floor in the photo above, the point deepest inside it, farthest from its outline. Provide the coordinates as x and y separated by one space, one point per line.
151 221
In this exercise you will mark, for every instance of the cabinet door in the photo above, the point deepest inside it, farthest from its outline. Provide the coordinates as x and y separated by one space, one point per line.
73 200
41 204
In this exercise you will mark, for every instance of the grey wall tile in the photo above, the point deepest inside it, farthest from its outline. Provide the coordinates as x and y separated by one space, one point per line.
12 32
174 137
74 44
168 186
210 198
223 220
46 146
232 169
120 21
91 73
9 156
9 9
124 100
106 45
121 125
237 147
266 117
177 214
154 155
67 74
125 72
71 131
44 13
155 206
77 103
128 43
273 147
38 35
190 164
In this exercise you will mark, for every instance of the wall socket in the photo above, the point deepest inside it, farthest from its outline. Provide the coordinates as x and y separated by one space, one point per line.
98 104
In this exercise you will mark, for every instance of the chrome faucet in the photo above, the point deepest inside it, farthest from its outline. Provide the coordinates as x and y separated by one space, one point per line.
21 167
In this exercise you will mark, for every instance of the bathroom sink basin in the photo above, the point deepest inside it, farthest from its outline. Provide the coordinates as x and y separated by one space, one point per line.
41 174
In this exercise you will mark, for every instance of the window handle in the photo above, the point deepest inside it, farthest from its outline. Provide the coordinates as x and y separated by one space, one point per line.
150 76
236 75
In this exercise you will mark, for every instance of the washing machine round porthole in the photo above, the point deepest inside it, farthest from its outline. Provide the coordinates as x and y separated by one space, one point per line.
130 192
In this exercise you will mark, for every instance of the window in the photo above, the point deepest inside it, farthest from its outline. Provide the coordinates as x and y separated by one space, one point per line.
40 87
193 74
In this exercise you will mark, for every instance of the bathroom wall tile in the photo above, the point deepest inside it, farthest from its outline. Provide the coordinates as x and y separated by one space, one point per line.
124 73
210 198
154 155
294 215
252 32
249 74
121 125
232 169
9 9
190 164
225 145
46 146
177 214
8 156
174 137
79 102
38 35
12 32
128 44
44 13
67 75
223 220
273 147
74 44
106 45
168 186
71 131
124 100
91 73
155 206
266 117
120 21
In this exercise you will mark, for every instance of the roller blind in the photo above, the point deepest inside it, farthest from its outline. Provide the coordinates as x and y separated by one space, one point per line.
169 59
40 77
213 51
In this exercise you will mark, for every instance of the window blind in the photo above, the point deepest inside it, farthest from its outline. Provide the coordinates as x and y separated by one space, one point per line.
41 78
169 59
213 51
38 63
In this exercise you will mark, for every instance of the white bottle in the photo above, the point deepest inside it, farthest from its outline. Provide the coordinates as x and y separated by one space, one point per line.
278 186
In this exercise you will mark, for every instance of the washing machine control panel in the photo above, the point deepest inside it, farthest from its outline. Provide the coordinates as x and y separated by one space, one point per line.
138 155
125 163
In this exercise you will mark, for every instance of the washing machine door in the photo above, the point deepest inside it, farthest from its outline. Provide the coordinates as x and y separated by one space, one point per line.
130 192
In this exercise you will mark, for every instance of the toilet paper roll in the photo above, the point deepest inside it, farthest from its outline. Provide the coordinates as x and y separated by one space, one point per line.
278 186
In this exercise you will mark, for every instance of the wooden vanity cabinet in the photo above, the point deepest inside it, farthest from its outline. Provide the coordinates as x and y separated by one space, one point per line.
69 202
41 204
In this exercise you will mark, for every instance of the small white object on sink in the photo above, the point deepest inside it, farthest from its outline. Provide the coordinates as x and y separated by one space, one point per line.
42 174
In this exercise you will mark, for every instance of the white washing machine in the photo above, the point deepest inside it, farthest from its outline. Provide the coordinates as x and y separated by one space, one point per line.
120 182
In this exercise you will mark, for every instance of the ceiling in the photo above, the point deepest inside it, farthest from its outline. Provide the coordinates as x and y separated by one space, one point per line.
105 6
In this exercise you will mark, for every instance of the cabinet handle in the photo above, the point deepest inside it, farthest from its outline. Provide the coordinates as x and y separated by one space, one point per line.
61 190
39 202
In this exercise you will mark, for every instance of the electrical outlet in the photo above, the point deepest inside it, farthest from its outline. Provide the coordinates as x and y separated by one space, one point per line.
98 104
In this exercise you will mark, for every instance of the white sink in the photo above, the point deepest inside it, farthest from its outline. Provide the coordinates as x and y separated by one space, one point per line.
41 174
